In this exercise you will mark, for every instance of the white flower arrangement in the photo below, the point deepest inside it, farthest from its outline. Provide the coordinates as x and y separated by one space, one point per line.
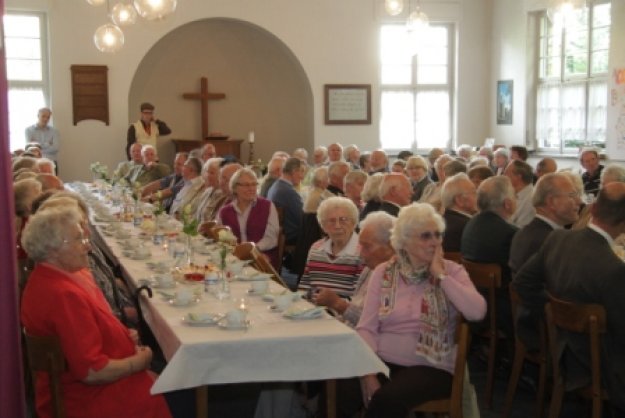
101 171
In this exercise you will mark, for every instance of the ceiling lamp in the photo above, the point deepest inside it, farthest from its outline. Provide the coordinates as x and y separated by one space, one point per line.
123 14
394 7
108 38
155 9
417 21
96 2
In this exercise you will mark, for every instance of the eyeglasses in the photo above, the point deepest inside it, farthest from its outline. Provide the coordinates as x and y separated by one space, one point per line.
341 220
247 184
428 235
82 241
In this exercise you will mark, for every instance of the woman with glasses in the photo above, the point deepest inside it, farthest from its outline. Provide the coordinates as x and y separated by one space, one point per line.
410 315
334 262
417 172
106 373
251 218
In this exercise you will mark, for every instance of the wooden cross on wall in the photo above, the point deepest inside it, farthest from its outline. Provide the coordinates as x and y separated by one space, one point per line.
204 96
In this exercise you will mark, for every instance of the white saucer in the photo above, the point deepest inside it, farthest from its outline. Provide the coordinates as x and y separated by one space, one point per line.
223 324
211 320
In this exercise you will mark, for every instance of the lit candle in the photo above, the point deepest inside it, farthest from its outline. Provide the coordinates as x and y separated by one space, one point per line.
242 305
251 137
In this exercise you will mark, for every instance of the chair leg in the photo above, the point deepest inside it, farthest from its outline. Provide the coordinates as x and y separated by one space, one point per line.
542 384
556 399
490 379
517 366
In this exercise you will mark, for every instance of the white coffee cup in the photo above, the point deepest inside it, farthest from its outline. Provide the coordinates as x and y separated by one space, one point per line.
236 317
164 280
260 287
184 296
283 301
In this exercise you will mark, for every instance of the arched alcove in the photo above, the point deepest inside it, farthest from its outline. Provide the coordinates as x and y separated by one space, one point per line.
266 88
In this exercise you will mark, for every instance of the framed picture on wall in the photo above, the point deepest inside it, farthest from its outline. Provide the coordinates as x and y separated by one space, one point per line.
347 104
504 102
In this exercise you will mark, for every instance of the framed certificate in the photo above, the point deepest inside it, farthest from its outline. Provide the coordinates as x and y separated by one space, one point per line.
347 104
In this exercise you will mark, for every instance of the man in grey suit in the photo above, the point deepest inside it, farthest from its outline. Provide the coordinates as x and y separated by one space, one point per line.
582 266
283 194
557 204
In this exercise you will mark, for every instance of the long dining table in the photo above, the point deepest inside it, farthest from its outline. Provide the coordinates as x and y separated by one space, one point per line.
271 348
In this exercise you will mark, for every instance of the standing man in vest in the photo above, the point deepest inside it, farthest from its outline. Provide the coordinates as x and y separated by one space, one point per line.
146 129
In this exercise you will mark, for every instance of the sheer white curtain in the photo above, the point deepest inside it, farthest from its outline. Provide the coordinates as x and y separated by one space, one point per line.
597 116
548 116
432 122
573 115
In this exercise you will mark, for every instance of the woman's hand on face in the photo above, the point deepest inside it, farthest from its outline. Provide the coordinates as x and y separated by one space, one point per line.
369 385
437 267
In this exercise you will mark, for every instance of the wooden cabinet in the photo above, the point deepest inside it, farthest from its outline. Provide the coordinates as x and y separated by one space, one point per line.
90 96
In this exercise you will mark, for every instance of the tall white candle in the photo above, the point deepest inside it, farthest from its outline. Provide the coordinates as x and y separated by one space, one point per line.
251 137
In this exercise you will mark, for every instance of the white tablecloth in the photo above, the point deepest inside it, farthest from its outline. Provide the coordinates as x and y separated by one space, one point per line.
273 348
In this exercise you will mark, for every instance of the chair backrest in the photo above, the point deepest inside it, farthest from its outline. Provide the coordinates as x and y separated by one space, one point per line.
578 318
214 231
486 276
457 385
453 256
243 251
264 265
45 355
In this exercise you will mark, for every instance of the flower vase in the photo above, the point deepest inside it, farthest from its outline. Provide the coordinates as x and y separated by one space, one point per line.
189 251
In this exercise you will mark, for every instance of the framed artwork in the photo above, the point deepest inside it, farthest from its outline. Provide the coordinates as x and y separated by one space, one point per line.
504 102
347 104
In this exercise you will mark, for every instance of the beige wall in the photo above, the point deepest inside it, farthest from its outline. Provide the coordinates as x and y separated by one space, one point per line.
333 41
265 86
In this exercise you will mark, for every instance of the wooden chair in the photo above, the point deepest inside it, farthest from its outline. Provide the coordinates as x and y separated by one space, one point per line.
45 355
214 231
453 256
452 406
249 251
205 228
521 354
488 278
578 318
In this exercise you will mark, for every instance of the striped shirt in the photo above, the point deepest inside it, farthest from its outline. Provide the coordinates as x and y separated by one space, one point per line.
337 272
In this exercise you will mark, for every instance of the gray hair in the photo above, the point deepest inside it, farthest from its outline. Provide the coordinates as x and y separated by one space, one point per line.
195 163
355 176
320 176
452 188
576 179
547 185
211 161
24 162
301 153
464 151
291 165
502 151
335 167
382 224
493 192
524 170
417 161
411 219
389 182
237 175
337 202
24 192
613 172
454 167
348 150
371 189
46 161
44 231
145 148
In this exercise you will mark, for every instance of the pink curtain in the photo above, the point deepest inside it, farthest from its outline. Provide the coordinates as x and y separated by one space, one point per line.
11 381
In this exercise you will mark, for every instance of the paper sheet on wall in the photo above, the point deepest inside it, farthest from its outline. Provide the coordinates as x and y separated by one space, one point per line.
616 115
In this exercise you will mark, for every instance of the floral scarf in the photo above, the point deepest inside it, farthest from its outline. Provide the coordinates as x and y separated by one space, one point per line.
434 341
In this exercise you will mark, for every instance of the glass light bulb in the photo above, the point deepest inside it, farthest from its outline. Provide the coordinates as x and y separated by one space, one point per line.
108 38
394 7
417 21
123 14
155 9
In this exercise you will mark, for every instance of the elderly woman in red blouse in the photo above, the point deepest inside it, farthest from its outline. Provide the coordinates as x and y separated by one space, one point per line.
106 372
251 218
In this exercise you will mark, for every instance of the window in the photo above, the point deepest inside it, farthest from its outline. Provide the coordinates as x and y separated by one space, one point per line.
24 37
416 109
571 95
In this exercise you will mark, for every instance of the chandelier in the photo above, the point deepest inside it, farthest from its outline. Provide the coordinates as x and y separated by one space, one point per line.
417 19
109 37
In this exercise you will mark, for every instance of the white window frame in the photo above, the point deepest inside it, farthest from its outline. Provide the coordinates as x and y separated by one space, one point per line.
43 84
562 80
414 88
